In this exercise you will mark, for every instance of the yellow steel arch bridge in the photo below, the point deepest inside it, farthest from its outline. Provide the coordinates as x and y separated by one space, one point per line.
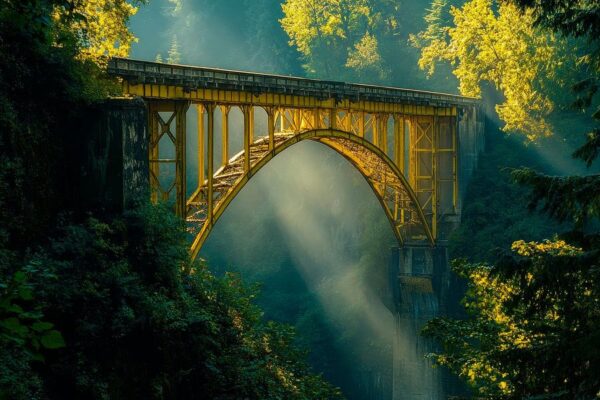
404 142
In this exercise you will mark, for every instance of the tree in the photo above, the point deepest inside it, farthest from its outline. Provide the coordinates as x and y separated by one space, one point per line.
499 44
579 20
174 54
331 34
138 325
533 326
365 57
535 313
99 27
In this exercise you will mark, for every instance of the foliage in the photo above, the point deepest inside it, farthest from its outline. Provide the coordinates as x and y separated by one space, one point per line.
533 329
174 54
21 326
501 47
137 326
580 20
493 211
317 28
47 75
99 27
365 56
570 198
24 335
334 34
534 314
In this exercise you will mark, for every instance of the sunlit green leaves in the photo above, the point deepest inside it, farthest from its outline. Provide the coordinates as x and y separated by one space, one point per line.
531 317
495 42
332 34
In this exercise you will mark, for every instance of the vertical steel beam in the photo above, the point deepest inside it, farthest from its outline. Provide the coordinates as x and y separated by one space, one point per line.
201 163
251 124
455 164
375 129
384 132
400 153
412 152
316 118
399 142
247 136
361 124
346 121
181 108
153 153
210 110
434 184
333 118
271 126
297 119
225 135
282 120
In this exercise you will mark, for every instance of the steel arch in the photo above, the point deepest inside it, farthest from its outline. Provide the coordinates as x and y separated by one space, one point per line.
390 186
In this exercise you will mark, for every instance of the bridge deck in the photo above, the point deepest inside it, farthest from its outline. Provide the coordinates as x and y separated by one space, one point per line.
194 78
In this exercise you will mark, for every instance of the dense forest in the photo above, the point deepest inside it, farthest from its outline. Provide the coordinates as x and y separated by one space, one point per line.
289 300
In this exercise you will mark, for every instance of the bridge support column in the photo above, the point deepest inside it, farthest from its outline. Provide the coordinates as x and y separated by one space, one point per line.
160 128
333 118
271 126
383 122
225 135
201 163
419 278
361 124
110 156
181 108
210 110
375 127
248 113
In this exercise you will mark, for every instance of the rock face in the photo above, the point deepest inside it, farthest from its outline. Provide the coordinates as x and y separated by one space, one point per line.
113 154
423 287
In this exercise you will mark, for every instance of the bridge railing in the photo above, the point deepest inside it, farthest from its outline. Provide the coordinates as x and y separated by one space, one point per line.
201 77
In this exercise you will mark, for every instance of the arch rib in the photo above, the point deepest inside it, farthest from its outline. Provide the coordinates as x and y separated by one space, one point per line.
391 187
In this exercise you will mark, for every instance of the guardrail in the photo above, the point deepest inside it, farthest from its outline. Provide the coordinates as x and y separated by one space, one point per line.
192 78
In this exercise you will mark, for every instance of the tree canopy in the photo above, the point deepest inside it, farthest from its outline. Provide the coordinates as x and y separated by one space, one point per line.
533 323
499 44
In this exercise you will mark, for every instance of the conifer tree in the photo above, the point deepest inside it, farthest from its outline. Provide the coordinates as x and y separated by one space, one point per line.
174 54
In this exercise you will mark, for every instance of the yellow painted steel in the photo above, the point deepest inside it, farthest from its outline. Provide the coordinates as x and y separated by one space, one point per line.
225 134
210 110
200 129
271 126
346 147
165 92
358 130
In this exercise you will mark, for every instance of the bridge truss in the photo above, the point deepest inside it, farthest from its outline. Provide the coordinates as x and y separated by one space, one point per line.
403 142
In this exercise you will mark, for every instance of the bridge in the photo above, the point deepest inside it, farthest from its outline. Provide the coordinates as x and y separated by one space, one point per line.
406 143
416 149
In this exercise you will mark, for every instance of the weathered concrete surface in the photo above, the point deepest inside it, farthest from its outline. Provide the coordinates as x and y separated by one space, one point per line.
114 154
471 142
